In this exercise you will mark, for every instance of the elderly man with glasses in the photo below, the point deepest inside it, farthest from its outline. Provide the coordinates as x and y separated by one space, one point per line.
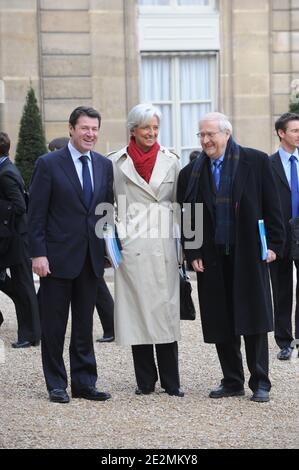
236 189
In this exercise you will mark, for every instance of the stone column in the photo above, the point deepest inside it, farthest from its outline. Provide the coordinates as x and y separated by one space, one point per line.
245 73
19 62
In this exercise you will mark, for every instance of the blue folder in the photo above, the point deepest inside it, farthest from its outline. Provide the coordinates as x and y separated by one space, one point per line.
262 232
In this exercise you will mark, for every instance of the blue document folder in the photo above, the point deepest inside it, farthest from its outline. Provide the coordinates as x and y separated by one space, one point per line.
262 232
112 247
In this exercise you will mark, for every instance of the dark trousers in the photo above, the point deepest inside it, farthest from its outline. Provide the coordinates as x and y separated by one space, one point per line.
282 286
105 308
146 370
19 286
256 347
56 296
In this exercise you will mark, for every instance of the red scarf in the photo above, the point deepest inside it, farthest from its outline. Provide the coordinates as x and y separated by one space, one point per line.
144 162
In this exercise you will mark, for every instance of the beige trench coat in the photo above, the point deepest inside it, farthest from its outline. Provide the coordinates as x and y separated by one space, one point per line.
147 281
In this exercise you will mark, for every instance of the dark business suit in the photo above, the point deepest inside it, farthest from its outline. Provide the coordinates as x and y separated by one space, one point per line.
19 285
282 269
105 308
63 230
234 290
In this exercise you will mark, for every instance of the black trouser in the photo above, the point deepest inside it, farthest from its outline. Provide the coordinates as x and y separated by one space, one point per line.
56 296
282 285
257 356
145 367
105 308
19 286
256 346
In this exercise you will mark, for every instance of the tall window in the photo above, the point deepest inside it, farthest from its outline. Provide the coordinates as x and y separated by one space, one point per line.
183 87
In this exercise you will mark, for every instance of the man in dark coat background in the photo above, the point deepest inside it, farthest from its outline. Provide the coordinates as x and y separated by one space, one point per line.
237 189
66 188
287 128
14 254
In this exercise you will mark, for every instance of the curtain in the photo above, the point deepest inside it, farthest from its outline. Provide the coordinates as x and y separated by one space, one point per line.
155 88
183 94
194 86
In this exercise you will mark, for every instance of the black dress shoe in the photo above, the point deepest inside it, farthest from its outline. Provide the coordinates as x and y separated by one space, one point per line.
144 391
24 344
223 391
1 318
260 395
59 395
285 353
105 339
91 393
175 393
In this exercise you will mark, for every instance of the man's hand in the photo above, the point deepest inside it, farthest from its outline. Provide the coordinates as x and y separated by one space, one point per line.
40 266
271 256
198 266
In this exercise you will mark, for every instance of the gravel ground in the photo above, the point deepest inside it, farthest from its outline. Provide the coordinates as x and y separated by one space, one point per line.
157 421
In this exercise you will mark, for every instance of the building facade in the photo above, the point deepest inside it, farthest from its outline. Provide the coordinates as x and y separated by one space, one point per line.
186 56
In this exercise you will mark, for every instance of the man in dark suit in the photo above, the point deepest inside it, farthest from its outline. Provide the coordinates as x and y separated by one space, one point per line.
104 302
14 255
236 189
67 186
287 128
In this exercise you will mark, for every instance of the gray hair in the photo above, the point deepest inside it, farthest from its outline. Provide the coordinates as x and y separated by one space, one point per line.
224 123
141 114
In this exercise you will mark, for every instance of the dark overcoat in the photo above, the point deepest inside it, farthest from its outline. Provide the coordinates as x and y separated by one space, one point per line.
254 197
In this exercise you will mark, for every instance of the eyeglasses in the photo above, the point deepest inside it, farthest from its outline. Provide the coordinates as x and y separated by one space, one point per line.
209 135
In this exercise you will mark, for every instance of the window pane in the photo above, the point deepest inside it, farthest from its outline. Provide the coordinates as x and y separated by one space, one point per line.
153 2
190 115
155 88
155 79
165 133
195 78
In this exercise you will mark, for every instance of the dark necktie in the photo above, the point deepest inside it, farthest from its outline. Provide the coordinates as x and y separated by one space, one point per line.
294 186
86 178
216 173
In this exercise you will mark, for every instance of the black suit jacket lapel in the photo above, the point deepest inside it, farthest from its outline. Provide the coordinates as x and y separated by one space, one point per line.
67 164
278 168
97 178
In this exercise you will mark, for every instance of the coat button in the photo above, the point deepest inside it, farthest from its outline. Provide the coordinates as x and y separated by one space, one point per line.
5 222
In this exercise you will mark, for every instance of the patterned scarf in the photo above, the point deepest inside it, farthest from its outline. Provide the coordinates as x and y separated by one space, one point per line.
144 162
225 219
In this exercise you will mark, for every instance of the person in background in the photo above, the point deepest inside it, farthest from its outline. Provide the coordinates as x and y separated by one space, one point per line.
19 285
285 165
147 301
67 186
194 155
104 302
236 187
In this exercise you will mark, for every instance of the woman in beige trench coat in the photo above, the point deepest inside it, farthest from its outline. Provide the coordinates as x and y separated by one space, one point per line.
147 281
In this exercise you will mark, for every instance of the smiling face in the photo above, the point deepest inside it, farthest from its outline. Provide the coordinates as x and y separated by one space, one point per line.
146 136
84 134
289 138
212 139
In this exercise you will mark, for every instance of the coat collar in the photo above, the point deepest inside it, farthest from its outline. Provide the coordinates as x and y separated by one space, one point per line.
163 164
200 175
278 168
